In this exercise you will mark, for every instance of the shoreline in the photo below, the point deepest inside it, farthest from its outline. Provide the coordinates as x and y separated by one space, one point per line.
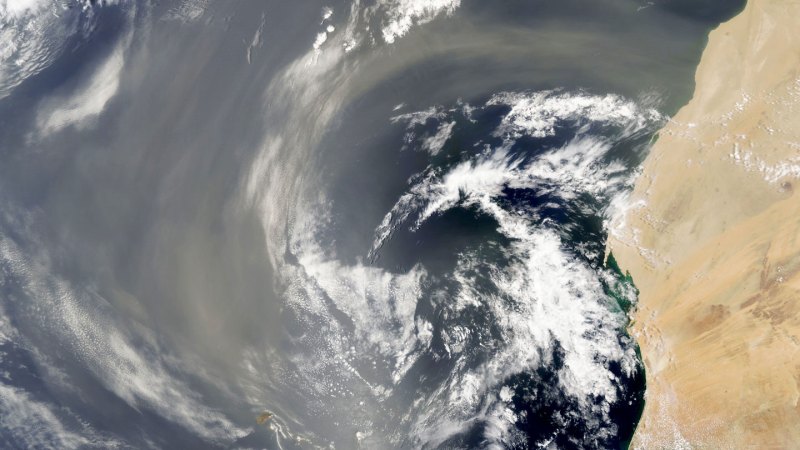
710 240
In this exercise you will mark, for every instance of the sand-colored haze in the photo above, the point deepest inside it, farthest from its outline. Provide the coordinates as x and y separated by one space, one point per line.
713 243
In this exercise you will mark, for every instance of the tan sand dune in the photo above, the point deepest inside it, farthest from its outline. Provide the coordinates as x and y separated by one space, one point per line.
713 243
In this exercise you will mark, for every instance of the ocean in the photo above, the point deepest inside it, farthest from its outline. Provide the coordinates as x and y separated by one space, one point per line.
350 224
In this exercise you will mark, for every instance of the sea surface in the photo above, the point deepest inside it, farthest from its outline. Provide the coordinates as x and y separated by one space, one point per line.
347 224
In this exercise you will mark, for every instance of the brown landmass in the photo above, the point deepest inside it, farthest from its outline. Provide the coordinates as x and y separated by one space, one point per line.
713 243
263 417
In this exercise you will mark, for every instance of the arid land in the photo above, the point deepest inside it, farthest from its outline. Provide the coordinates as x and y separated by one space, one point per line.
712 240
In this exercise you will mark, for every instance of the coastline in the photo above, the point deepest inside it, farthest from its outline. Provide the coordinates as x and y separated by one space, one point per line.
712 241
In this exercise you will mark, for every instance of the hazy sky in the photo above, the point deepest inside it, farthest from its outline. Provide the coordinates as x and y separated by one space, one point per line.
165 168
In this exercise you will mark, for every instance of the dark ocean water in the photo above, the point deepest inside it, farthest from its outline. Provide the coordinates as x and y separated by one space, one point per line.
369 224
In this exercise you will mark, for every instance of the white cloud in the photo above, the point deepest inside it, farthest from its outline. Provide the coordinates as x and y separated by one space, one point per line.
31 37
556 297
354 314
81 108
17 8
402 15
435 143
35 424
188 11
537 114
137 373
33 34
546 296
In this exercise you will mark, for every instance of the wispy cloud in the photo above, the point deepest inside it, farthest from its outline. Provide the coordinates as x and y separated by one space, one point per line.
81 108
